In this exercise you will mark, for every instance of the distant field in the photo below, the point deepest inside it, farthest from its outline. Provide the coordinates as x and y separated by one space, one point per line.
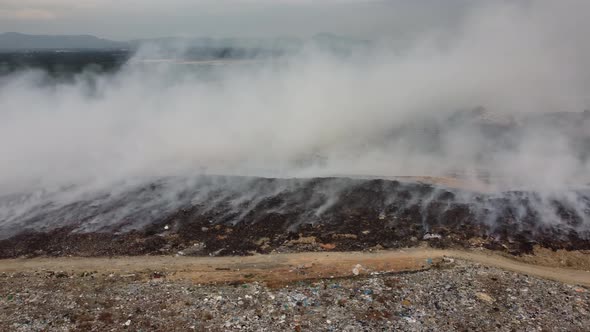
62 62
71 61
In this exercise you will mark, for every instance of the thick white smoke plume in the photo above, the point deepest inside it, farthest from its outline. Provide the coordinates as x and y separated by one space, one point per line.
387 112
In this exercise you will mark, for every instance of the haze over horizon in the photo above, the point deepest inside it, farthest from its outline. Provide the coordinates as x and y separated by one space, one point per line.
527 58
135 19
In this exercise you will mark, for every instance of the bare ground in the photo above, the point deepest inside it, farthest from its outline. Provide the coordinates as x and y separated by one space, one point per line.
291 267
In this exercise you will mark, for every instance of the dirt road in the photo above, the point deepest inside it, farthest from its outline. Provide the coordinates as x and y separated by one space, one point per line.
281 268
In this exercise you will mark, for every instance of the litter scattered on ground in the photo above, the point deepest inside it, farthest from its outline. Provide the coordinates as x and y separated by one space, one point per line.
459 297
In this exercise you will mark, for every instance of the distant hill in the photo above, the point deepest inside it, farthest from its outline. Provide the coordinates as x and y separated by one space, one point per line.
283 42
14 41
20 41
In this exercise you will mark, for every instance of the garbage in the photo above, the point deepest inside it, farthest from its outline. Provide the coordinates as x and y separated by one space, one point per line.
448 260
345 236
429 236
305 266
458 297
410 319
298 297
356 270
129 275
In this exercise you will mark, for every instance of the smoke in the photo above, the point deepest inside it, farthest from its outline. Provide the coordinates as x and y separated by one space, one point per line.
384 112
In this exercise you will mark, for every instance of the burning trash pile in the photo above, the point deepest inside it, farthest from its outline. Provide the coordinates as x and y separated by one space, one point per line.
222 215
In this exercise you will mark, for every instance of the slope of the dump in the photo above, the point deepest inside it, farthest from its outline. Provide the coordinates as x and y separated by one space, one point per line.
220 215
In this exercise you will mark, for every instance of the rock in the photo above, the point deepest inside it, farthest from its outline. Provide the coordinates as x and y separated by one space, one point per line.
485 297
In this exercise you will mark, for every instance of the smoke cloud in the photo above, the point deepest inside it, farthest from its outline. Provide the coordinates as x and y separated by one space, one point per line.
474 101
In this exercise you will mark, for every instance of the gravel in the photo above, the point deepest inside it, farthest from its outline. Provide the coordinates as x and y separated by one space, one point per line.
459 296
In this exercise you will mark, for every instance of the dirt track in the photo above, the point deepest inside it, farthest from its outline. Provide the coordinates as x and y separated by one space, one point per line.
282 268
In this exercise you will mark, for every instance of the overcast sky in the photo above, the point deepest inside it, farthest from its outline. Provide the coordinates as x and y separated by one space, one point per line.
128 19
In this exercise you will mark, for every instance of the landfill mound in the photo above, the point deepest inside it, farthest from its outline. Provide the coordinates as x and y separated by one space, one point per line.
228 215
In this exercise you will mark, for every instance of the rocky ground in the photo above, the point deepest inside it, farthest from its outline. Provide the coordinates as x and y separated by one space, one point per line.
454 295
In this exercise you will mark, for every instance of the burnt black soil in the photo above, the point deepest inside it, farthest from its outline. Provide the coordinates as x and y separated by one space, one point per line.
261 215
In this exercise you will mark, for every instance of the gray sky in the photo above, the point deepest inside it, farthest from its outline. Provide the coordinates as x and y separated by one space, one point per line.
128 19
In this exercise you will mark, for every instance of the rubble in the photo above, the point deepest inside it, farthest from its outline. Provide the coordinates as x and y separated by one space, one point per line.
462 296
